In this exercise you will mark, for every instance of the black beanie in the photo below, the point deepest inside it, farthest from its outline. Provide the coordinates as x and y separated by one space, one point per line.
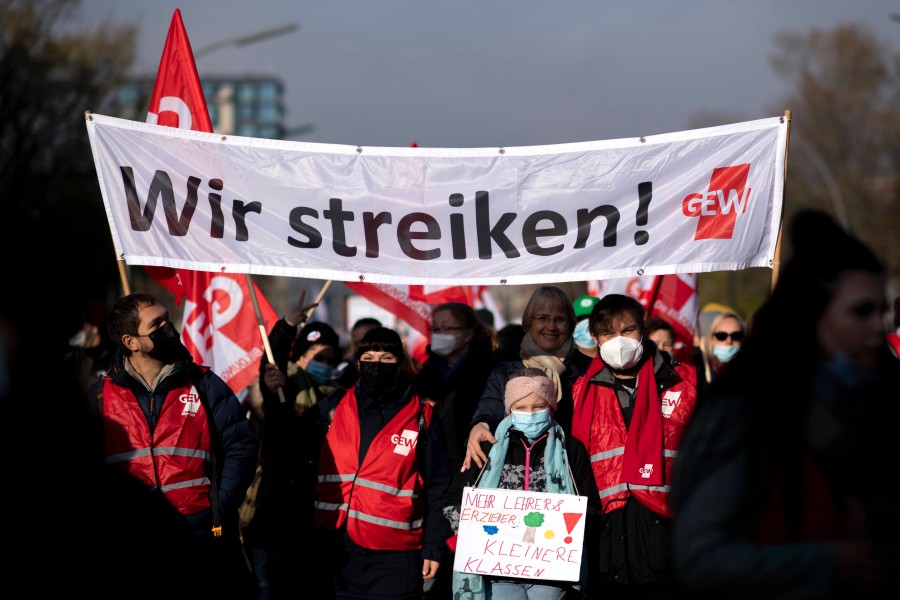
315 333
381 339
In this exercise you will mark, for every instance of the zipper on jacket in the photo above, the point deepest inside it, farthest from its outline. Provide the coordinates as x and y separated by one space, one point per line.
528 459
152 424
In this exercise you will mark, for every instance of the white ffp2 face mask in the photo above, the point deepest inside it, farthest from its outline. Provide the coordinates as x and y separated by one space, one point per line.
443 344
621 353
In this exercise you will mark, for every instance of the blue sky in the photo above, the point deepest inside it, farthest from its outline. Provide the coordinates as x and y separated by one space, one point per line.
500 72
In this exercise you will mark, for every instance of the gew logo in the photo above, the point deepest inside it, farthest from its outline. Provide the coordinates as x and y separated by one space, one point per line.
717 210
405 441
669 402
191 402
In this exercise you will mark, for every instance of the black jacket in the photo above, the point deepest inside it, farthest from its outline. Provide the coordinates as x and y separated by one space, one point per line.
289 455
456 393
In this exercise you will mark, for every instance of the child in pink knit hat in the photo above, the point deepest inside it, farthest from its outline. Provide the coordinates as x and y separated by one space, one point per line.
532 453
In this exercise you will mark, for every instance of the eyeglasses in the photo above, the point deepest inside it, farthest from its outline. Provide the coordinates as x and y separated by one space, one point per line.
446 329
545 320
735 336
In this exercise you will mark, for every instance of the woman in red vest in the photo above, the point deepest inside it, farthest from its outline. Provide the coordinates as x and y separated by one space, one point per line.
383 475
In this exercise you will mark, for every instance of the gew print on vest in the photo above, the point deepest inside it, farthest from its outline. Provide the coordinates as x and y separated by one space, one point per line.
670 401
405 441
191 402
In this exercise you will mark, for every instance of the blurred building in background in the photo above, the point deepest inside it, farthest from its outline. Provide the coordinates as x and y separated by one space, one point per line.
240 105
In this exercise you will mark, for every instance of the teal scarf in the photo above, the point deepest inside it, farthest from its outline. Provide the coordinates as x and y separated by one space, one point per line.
556 465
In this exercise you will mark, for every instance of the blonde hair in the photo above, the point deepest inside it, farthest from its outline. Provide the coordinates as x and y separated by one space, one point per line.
706 341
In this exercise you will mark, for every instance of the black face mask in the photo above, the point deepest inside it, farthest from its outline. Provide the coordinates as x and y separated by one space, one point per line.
379 376
167 346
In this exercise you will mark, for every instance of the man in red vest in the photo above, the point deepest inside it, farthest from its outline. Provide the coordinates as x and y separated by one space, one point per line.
631 409
181 431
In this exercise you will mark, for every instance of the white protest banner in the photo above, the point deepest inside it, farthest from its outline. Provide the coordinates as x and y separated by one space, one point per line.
514 533
687 202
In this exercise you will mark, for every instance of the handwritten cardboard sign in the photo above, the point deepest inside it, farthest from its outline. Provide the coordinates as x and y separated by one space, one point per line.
514 533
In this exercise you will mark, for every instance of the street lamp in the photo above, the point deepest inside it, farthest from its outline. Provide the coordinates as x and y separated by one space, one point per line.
243 40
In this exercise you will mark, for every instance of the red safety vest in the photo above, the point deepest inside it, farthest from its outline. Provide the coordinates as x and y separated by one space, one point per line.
174 457
606 445
380 500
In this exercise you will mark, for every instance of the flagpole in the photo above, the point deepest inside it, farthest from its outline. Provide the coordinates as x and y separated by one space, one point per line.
318 299
123 275
654 293
787 147
262 329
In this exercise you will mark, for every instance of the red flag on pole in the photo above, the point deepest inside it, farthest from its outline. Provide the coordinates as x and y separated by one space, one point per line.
397 300
220 328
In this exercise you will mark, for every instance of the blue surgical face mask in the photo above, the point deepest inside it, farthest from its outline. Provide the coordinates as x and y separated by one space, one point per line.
319 371
532 424
846 373
725 353
582 334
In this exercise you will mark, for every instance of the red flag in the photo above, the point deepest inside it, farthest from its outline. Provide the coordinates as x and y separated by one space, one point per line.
177 101
438 294
397 300
675 300
220 327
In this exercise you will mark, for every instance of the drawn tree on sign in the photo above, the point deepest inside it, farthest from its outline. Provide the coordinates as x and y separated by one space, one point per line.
532 521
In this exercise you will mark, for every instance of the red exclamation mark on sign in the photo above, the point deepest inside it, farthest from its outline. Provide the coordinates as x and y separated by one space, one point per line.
571 520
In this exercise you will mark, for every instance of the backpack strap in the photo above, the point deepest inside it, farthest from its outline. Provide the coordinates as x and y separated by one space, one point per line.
198 377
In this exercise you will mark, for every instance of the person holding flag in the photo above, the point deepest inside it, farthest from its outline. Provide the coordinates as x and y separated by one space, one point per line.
278 534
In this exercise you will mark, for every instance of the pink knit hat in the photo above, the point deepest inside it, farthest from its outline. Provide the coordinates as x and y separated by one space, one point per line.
520 387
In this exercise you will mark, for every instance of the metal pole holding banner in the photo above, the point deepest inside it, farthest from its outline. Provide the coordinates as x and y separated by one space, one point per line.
776 263
262 329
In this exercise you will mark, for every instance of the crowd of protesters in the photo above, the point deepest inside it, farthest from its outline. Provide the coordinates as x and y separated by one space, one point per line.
761 470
